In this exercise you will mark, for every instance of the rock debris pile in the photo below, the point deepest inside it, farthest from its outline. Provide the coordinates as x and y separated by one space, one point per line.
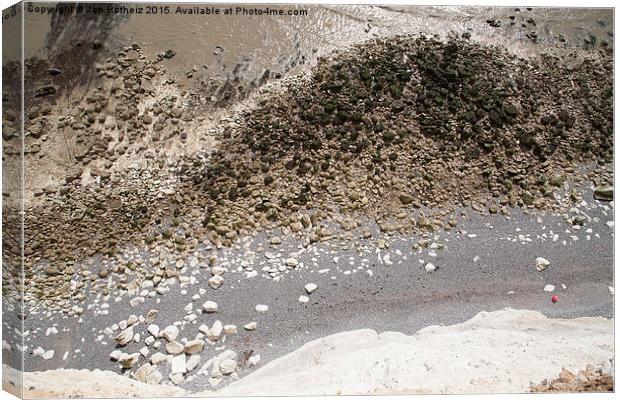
592 379
403 130
175 356
395 127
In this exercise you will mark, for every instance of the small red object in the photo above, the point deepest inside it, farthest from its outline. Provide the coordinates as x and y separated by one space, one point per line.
554 298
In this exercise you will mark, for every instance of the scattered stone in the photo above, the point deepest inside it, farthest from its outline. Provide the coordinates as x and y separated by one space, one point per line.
230 329
227 367
192 362
136 301
170 333
430 267
250 326
262 308
178 364
210 306
304 299
291 262
127 361
124 337
217 270
605 193
296 226
170 53
154 378
153 330
542 264
48 355
310 287
143 371
194 346
254 360
174 347
216 281
132 320
45 90
215 332
214 382
150 316
115 355
158 358
592 379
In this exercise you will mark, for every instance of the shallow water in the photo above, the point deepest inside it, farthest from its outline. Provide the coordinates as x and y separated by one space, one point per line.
253 44
244 46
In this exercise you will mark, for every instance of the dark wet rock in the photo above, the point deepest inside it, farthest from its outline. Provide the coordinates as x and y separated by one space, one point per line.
494 23
45 90
605 193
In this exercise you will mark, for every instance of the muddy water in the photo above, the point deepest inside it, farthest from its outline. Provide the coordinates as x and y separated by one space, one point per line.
245 46
252 44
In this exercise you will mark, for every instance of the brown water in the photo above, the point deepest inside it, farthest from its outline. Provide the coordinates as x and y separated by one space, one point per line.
255 43
252 44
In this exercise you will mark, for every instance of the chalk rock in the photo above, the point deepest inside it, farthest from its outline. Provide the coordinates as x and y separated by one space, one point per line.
310 287
178 364
194 346
174 347
192 362
115 355
227 367
215 332
216 281
158 358
542 264
210 306
170 333
153 330
124 337
230 329
250 326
